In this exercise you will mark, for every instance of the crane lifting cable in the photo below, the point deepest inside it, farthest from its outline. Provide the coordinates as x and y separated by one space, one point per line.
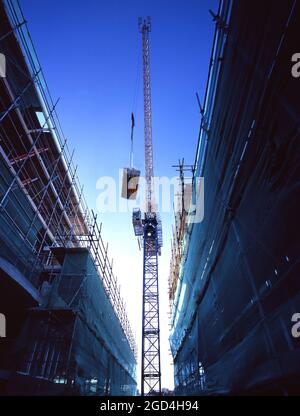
131 175
131 139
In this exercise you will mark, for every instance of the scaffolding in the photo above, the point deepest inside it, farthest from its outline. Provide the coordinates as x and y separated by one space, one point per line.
74 339
42 203
181 216
238 280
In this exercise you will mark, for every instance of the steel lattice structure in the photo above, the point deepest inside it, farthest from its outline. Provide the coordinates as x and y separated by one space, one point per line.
145 28
151 375
149 228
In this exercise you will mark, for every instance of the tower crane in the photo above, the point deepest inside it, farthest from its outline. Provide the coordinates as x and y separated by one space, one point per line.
147 226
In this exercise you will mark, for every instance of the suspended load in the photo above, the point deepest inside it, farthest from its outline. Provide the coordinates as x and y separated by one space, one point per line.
131 176
130 183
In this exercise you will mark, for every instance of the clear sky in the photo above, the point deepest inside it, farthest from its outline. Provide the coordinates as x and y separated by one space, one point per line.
90 52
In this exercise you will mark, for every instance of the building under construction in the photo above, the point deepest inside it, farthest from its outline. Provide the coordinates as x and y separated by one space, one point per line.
234 281
67 329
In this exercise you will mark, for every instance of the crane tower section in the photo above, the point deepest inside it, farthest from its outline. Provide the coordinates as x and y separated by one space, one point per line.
147 227
145 28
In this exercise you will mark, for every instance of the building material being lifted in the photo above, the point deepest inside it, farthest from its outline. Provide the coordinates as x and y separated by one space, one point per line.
131 176
67 328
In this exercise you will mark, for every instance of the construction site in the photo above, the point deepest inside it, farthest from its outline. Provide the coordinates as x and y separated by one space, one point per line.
234 278
68 331
234 268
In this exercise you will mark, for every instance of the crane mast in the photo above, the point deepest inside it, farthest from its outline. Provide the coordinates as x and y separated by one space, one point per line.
145 28
147 227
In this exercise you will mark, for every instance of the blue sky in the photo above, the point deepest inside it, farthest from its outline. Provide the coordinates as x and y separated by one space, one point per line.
90 52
